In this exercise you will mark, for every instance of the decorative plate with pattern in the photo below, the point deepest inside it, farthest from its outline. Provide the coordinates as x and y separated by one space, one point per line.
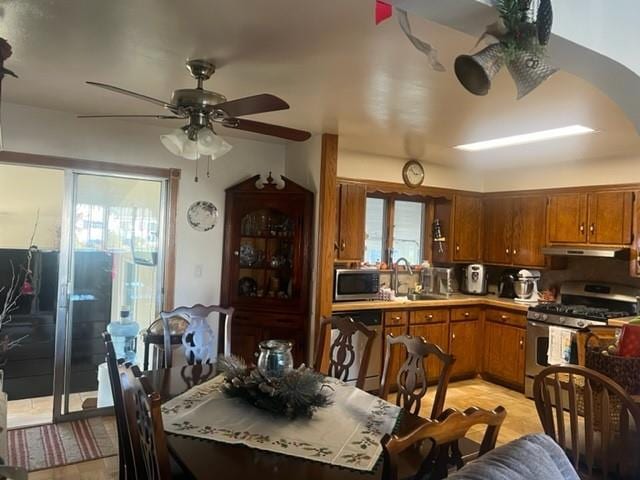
202 216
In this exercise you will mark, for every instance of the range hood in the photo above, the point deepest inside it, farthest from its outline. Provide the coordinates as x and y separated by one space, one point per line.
604 252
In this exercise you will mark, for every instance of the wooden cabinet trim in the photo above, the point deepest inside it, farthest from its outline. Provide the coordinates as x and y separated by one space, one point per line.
465 313
396 318
438 315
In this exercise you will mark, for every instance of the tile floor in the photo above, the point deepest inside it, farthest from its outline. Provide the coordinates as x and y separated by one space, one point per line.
36 411
521 419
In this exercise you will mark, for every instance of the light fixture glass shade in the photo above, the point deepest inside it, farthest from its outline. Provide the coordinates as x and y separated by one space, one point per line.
174 141
211 144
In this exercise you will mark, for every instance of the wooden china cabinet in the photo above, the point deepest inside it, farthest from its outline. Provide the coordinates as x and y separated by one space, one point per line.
267 263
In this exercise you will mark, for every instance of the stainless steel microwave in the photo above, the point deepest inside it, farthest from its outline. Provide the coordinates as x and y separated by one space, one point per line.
355 284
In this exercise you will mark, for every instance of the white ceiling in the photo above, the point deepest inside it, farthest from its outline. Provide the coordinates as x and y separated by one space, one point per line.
338 71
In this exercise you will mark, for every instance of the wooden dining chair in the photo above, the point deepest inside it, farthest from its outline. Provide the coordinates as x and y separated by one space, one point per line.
412 375
444 433
342 351
201 339
592 418
125 455
148 440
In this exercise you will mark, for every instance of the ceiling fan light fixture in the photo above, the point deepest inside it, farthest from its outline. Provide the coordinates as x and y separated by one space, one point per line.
211 144
174 141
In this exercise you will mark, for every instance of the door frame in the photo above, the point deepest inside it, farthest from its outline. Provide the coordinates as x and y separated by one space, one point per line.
71 166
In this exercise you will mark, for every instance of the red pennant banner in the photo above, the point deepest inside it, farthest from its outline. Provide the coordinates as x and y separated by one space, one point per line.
383 11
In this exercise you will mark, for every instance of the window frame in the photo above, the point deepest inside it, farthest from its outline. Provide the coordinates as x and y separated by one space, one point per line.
389 215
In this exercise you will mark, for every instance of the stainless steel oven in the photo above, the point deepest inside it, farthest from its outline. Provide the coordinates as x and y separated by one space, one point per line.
353 284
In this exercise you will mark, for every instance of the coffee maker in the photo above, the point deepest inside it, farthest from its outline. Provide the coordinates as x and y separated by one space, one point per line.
506 287
474 279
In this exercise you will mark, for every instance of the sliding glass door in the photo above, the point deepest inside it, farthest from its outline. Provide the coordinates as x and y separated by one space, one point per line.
110 279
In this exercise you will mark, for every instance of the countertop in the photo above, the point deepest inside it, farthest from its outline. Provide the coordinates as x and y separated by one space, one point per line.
619 322
457 299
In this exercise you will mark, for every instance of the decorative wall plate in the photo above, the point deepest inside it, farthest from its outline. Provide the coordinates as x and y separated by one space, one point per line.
202 216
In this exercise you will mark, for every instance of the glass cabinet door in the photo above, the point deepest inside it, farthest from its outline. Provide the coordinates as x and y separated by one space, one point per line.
266 255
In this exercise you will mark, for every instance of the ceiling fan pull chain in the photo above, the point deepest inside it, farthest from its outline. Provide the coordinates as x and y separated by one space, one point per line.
197 162
208 167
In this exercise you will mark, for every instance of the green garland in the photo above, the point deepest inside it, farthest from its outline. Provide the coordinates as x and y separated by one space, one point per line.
298 393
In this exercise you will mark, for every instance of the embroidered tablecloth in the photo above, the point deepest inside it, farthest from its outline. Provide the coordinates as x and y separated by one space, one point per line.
347 433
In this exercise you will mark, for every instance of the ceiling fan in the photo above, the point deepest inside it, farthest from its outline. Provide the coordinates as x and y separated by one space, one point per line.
202 109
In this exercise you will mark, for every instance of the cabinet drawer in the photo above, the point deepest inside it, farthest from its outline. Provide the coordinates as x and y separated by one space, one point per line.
465 313
506 317
429 316
396 318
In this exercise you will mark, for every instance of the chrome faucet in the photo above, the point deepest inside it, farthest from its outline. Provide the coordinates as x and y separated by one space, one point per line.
396 283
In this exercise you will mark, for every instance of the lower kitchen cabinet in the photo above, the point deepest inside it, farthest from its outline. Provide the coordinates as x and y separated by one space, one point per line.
397 355
504 353
433 333
464 338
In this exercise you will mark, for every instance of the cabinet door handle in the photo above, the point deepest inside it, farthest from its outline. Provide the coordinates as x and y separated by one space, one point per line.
506 250
466 314
453 336
503 317
430 317
581 228
521 344
236 253
592 228
457 248
343 245
515 252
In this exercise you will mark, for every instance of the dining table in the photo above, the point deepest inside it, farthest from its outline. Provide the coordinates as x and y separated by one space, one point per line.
207 459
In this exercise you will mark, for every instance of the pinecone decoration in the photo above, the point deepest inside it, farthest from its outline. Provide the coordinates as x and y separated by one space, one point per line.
544 21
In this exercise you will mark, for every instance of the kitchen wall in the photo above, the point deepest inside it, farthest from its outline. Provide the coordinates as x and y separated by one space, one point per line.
47 132
376 167
606 171
302 165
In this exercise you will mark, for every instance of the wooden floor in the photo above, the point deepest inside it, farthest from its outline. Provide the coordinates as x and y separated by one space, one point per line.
521 419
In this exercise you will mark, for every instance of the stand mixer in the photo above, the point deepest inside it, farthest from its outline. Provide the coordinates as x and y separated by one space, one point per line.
526 286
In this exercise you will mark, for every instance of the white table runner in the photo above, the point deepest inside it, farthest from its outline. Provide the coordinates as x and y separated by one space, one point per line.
347 433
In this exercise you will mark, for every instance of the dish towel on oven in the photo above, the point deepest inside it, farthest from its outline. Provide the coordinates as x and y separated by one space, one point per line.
559 345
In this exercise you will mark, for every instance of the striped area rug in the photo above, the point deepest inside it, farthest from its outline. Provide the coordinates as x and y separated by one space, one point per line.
53 445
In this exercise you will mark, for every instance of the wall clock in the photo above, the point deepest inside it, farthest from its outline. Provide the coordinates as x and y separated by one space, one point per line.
413 173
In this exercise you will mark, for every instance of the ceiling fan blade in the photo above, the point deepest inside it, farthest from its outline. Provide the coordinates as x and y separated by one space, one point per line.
139 96
159 117
264 102
267 129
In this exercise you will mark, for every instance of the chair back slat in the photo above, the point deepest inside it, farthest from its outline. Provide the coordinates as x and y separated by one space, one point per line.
342 351
125 454
444 434
603 419
573 420
145 417
412 373
588 425
559 410
201 339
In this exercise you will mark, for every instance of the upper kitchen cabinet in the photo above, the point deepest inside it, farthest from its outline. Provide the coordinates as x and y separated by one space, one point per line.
610 218
529 214
514 230
498 215
467 228
599 218
351 221
461 227
567 218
